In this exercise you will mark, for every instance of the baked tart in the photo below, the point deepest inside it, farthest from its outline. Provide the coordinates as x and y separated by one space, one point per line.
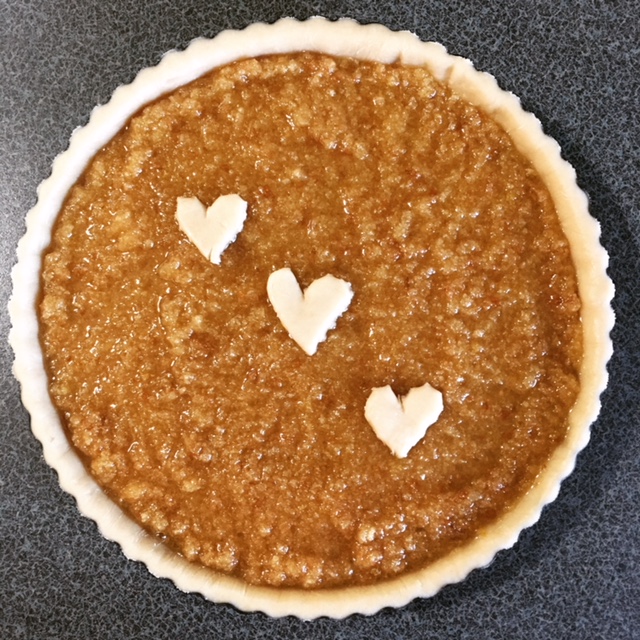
312 318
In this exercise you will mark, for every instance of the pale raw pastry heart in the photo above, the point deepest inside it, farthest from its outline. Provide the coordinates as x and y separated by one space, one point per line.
212 230
402 423
308 316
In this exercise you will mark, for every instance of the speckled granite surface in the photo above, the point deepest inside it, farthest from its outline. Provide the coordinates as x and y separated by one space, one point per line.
575 574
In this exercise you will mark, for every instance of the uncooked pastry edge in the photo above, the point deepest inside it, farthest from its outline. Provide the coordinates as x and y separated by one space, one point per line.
344 37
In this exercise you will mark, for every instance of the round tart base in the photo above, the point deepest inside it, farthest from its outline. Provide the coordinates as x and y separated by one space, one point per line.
344 38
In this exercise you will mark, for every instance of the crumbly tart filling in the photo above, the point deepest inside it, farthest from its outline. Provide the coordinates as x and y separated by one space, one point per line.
193 409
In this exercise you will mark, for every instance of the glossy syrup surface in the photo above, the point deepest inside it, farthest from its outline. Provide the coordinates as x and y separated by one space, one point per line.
196 411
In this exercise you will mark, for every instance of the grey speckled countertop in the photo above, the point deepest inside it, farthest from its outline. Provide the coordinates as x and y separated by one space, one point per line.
576 573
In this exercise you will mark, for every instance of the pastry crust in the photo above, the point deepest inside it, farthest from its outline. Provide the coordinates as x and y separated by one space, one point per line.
345 38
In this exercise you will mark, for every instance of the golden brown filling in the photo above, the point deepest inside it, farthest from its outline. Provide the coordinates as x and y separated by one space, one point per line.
193 407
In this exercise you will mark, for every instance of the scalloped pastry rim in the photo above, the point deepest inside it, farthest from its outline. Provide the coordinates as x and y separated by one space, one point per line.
342 37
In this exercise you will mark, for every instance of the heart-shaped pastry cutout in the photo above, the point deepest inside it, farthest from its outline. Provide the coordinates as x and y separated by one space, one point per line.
308 316
212 230
402 423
